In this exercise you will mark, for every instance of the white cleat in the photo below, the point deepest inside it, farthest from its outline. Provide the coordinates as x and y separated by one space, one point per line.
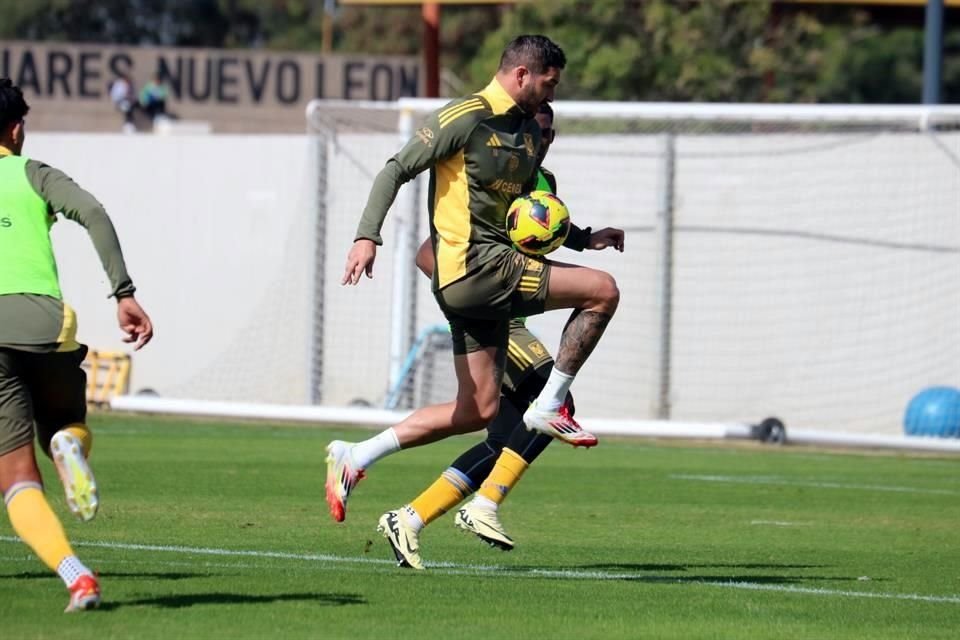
78 482
403 539
485 524
558 424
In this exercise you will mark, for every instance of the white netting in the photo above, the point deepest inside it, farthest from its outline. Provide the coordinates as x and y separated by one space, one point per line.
796 261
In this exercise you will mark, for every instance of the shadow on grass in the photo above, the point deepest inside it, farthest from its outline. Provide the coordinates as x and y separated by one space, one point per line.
182 601
630 566
111 575
629 572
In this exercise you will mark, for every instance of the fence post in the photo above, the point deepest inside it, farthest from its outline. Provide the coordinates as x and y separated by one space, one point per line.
664 285
403 309
319 146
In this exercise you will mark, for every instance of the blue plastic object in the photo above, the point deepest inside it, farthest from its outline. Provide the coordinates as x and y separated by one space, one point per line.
934 411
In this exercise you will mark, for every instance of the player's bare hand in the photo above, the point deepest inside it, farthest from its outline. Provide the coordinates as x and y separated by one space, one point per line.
360 261
134 322
606 237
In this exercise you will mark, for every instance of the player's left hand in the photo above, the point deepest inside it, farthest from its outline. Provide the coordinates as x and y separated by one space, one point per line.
606 237
134 322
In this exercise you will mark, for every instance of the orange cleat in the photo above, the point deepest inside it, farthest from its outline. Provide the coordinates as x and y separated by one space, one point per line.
84 594
342 477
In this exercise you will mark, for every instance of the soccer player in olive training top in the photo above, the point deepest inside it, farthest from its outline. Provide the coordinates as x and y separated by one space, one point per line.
42 387
495 465
481 151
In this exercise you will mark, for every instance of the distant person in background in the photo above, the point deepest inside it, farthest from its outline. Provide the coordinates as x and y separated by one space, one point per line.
153 98
124 98
42 387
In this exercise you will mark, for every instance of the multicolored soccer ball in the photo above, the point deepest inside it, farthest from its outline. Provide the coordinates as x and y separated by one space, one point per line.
537 223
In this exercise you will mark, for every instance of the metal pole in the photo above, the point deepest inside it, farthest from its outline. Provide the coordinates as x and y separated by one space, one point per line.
431 46
326 38
319 142
665 278
933 52
403 306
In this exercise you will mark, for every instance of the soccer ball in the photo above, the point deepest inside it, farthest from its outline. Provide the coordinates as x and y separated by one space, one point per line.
537 223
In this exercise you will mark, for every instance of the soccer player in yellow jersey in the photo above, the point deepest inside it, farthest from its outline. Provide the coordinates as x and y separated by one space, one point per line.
42 387
482 152
493 467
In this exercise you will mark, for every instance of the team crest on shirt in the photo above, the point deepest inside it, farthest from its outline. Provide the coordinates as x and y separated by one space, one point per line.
528 144
513 163
533 266
537 349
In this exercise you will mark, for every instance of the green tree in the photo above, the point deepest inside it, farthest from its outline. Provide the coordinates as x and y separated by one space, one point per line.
724 50
137 22
660 50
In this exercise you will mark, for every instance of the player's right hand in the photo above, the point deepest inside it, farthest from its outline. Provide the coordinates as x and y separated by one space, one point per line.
359 260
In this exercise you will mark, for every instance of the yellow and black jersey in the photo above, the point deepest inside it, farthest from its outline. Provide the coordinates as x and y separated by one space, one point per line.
481 151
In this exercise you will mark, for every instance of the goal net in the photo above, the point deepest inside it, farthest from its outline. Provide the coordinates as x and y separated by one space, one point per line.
797 261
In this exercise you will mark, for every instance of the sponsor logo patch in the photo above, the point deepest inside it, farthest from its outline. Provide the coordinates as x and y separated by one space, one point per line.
426 136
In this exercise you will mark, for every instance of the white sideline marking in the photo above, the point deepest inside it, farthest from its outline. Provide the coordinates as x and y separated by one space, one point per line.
781 523
451 568
809 483
835 592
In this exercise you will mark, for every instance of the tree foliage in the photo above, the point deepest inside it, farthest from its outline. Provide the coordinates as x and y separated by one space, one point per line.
723 50
707 50
136 22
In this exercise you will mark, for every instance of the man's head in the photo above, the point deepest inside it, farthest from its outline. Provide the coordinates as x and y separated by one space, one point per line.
530 70
544 118
13 108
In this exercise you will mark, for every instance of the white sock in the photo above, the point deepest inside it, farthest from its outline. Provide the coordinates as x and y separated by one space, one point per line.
70 568
555 391
372 449
413 518
483 502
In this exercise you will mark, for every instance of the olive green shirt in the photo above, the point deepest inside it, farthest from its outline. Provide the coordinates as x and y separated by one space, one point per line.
481 151
44 323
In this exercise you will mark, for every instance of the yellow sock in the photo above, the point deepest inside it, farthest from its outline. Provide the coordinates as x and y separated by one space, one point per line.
444 494
506 473
82 433
36 524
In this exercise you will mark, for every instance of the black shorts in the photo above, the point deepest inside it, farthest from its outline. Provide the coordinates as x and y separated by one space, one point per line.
40 392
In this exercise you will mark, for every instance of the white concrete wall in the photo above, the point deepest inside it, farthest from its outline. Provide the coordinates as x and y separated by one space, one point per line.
817 277
216 232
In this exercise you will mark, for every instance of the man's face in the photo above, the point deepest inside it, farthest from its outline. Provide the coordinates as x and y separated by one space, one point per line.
537 88
545 120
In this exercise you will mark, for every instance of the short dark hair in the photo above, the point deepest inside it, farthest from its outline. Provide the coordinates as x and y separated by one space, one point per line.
12 105
537 53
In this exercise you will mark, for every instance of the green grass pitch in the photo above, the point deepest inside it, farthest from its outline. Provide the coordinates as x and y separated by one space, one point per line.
220 530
